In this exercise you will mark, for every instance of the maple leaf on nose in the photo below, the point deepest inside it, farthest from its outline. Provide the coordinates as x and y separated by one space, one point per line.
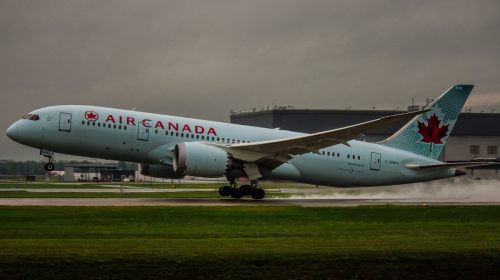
91 116
432 132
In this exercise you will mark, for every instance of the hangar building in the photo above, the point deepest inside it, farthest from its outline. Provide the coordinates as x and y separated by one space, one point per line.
475 135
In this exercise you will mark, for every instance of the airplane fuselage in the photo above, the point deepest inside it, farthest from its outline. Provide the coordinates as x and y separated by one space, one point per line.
148 138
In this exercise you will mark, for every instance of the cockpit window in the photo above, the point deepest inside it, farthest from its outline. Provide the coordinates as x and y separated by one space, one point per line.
32 117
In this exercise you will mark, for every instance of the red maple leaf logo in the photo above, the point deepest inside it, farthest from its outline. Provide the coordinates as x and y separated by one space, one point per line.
432 133
91 116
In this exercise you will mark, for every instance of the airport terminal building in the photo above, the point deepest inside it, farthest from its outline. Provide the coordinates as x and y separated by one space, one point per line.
475 135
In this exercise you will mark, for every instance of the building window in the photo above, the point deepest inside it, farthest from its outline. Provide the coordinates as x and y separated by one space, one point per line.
492 150
474 149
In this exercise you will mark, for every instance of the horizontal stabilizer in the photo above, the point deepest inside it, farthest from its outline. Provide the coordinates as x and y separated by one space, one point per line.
448 165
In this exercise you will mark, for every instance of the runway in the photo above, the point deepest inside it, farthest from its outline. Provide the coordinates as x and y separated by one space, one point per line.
227 202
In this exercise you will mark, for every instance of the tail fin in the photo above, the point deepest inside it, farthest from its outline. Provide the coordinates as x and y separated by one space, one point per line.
426 134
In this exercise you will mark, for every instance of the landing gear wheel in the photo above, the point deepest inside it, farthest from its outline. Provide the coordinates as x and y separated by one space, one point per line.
258 193
49 166
246 190
236 193
225 190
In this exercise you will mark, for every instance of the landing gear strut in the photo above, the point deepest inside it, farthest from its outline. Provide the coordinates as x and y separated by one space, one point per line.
245 190
49 166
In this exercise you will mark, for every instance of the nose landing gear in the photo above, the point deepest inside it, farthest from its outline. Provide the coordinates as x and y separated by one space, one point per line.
49 166
245 190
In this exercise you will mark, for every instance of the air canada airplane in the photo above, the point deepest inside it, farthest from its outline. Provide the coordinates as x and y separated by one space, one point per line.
173 147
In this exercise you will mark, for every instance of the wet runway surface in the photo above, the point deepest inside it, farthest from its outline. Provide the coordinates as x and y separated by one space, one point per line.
226 202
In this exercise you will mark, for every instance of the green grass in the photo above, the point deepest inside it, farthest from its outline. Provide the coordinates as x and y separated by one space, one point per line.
29 185
249 242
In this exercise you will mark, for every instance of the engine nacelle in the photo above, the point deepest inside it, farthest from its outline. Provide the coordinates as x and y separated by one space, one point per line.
200 160
160 171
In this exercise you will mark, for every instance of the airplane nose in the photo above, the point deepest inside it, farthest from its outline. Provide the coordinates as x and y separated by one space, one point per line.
12 131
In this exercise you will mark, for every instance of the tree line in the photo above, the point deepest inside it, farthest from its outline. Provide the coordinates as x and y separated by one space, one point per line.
31 167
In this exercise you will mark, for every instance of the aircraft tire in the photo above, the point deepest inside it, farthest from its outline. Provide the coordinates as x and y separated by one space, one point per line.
225 191
236 193
246 190
49 167
258 193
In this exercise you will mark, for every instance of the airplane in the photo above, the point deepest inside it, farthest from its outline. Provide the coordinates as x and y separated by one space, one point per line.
173 147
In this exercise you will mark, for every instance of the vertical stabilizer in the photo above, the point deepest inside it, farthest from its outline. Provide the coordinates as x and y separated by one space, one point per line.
426 134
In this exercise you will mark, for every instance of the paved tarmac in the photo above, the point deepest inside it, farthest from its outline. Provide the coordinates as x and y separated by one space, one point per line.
224 202
115 190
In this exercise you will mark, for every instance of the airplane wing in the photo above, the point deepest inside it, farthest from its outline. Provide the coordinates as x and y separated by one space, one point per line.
283 150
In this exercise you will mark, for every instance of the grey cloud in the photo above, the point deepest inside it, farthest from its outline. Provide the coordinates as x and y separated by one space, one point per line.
203 58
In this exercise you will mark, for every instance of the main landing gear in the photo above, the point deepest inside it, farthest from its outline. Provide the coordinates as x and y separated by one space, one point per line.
49 166
245 190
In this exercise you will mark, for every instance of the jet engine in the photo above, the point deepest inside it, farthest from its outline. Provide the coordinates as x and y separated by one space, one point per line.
160 171
201 160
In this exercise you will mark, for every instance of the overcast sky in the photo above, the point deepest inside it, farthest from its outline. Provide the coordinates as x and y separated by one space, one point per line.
204 58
